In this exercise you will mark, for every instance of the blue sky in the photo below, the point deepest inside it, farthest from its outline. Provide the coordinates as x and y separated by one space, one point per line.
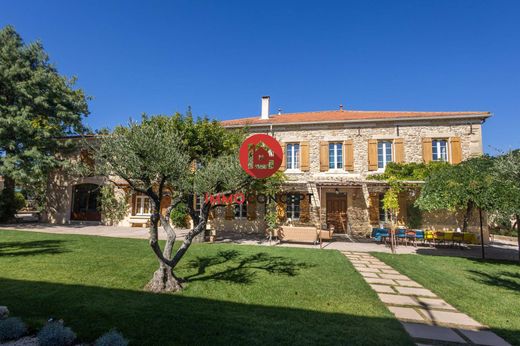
220 57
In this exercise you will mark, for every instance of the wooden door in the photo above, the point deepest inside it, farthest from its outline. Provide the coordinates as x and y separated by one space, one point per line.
337 211
85 203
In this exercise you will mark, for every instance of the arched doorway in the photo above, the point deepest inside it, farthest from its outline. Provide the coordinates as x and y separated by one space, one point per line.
85 199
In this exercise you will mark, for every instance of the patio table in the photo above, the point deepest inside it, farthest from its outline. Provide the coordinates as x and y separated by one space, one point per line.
469 238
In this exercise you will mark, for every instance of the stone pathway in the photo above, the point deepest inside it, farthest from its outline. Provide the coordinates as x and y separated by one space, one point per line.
427 318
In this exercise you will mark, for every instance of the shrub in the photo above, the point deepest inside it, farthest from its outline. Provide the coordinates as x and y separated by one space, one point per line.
112 338
56 334
12 328
179 215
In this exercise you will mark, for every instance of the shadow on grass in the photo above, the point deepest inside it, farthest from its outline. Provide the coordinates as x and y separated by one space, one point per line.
164 319
32 248
240 268
504 279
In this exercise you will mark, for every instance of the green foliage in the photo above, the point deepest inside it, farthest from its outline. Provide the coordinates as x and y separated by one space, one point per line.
37 107
271 218
408 171
113 208
414 216
507 172
12 328
56 334
179 215
112 338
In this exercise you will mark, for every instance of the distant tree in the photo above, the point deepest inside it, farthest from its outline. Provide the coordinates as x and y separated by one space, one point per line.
179 157
507 170
37 106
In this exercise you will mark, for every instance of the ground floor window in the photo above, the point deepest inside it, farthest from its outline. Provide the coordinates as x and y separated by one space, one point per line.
293 207
142 205
241 211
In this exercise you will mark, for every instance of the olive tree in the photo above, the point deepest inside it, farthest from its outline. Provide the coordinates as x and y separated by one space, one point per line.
175 157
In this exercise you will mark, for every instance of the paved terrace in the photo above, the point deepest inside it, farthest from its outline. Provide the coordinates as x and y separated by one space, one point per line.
502 248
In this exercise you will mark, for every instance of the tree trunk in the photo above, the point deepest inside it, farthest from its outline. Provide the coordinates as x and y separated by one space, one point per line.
7 202
481 234
164 280
518 234
467 214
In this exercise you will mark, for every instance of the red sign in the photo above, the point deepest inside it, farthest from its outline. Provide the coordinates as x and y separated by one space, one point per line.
261 156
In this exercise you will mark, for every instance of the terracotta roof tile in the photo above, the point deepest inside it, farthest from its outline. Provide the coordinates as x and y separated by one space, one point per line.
345 116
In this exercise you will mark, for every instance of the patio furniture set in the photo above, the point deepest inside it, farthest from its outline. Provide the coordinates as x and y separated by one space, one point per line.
432 238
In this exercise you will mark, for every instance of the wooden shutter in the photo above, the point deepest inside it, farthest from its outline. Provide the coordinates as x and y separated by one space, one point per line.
372 154
284 151
348 156
324 156
304 209
165 204
456 150
251 210
399 150
281 209
373 208
427 150
304 156
134 204
230 212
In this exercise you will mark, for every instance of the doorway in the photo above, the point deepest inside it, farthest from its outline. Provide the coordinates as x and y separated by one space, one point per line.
85 199
337 211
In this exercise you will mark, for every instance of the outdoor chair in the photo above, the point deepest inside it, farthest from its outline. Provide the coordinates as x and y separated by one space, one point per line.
401 235
411 236
419 235
429 238
439 238
380 234
457 238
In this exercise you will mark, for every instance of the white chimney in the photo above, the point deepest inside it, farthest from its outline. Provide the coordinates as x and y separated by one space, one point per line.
265 108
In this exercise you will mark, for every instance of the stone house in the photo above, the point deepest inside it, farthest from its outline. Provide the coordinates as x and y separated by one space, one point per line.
328 157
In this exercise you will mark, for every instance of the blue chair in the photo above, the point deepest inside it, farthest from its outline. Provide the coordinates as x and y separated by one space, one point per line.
401 235
379 233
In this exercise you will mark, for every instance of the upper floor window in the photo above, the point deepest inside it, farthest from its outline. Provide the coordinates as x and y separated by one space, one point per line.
241 211
293 156
384 153
293 207
440 150
335 156
142 205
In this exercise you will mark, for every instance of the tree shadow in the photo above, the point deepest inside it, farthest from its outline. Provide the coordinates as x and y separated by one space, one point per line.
504 279
242 269
32 248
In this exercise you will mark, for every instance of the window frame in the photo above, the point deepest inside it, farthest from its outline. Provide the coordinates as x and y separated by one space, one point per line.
140 205
337 164
385 162
293 162
242 211
438 151
293 207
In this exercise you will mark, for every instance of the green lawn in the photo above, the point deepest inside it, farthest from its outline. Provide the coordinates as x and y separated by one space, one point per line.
489 291
236 294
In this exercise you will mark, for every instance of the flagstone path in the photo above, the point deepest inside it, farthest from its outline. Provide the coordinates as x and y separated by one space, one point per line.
427 318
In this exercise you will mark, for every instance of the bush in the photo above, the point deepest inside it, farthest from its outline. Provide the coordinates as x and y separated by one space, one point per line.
179 216
12 328
112 338
56 334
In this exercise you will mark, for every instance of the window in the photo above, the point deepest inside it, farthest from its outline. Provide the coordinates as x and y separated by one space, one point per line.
293 207
440 150
241 211
384 153
384 216
335 156
198 202
293 156
142 205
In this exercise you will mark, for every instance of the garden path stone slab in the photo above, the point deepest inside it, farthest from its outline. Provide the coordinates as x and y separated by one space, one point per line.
380 281
409 314
396 299
369 274
449 317
427 332
370 270
393 276
434 303
390 271
484 337
413 291
408 283
382 288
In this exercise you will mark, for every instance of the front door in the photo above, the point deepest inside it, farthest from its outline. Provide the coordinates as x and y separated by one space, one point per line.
85 206
337 211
